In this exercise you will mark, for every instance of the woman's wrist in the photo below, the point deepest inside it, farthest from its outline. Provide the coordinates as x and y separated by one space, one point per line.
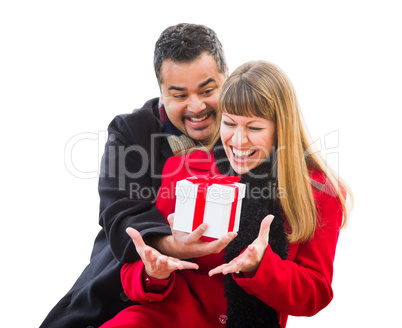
155 284
155 276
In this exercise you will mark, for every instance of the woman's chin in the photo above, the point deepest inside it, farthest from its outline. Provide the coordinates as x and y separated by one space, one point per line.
239 168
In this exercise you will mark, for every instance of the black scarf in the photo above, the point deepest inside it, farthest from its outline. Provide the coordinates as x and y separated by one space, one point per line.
245 310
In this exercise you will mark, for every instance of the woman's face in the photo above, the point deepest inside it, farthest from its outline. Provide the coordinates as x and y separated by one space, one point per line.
248 141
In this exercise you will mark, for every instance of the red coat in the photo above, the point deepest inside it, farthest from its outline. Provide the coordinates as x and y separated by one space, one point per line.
300 285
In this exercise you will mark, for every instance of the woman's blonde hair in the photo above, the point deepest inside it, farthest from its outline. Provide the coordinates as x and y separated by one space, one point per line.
263 90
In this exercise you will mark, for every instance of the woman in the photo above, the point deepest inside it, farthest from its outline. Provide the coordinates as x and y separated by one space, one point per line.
281 262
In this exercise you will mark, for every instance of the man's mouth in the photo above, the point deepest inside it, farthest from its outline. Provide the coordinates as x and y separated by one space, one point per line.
242 154
197 119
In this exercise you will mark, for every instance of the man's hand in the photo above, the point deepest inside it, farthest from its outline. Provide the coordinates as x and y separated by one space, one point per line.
250 259
157 265
183 245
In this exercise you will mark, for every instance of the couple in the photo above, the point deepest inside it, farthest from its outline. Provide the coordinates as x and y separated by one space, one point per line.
237 281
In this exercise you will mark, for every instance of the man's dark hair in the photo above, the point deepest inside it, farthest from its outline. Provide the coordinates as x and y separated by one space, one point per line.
184 43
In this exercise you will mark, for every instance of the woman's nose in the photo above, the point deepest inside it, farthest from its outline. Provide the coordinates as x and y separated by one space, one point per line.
239 137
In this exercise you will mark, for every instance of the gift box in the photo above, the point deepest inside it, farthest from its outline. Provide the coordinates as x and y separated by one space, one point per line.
216 200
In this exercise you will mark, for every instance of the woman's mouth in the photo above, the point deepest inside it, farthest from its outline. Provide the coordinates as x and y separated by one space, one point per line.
242 154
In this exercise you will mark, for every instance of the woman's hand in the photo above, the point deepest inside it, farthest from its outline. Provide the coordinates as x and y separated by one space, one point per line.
250 259
157 265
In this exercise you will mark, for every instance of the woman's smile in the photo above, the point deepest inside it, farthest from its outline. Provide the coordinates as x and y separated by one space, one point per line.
242 155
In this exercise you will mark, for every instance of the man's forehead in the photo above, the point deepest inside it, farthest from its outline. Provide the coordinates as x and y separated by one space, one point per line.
205 56
201 68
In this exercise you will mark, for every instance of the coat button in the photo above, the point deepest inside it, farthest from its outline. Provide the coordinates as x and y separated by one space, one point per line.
223 318
124 297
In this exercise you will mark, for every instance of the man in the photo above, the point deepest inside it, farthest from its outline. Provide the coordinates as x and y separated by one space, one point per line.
190 67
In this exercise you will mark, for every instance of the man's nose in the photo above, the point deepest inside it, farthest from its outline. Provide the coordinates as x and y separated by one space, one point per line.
196 104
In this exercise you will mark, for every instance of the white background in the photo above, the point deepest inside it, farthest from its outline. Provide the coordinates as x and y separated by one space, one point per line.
68 67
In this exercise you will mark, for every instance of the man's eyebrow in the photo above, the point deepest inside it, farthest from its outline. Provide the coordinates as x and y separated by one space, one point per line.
172 87
201 85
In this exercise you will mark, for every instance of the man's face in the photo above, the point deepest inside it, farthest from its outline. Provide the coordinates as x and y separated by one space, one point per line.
190 93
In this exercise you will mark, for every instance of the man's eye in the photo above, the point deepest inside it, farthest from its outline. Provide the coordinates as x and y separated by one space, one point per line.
179 96
208 91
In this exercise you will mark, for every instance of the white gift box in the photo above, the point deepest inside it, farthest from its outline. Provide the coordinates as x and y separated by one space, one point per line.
215 205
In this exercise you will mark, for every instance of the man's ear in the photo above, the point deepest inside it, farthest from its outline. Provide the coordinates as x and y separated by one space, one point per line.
227 72
161 99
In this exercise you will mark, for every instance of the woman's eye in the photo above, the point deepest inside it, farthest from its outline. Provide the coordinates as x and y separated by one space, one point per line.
228 123
254 128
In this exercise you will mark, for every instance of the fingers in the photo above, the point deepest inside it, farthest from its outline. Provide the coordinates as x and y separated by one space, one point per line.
189 265
253 256
176 264
136 237
217 270
189 237
247 261
165 265
202 248
218 245
156 264
196 234
161 266
189 245
150 255
252 250
265 226
132 233
159 261
233 266
171 219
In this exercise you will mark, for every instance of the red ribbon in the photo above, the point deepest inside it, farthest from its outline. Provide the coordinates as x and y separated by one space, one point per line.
204 182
